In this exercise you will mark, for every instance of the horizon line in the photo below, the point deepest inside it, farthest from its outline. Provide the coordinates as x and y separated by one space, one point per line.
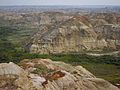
63 5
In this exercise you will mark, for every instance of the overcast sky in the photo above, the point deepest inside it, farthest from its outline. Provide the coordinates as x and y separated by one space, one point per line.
59 2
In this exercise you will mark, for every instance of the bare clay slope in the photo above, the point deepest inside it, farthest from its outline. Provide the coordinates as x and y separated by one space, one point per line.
44 74
73 35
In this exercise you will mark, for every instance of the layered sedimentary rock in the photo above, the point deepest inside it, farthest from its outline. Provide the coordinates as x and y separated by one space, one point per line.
73 35
64 32
44 74
107 26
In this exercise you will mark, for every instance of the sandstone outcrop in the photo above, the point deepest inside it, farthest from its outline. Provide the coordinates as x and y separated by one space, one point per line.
45 74
73 35
12 77
107 26
64 31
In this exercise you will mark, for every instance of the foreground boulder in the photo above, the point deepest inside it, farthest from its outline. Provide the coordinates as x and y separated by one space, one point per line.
44 74
13 77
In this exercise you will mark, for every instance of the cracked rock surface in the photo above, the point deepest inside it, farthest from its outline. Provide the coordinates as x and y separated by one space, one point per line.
45 74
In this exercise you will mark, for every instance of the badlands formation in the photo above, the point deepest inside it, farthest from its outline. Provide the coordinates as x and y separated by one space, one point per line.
45 74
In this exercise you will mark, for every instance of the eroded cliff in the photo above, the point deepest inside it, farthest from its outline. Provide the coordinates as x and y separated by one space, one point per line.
44 74
71 36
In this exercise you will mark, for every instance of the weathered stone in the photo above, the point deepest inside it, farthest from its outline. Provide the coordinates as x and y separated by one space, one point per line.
75 78
72 36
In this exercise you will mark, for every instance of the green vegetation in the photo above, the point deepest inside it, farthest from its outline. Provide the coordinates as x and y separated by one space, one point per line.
17 34
10 51
41 69
107 67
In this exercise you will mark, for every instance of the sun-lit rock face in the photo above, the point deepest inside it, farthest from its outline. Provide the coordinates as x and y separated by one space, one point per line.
13 77
73 35
64 31
107 26
45 74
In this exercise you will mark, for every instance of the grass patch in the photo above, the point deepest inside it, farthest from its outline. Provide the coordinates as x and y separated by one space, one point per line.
106 67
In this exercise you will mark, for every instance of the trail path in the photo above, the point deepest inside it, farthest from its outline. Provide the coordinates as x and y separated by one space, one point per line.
110 53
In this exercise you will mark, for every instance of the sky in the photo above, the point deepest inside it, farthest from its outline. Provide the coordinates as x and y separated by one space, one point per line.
59 2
